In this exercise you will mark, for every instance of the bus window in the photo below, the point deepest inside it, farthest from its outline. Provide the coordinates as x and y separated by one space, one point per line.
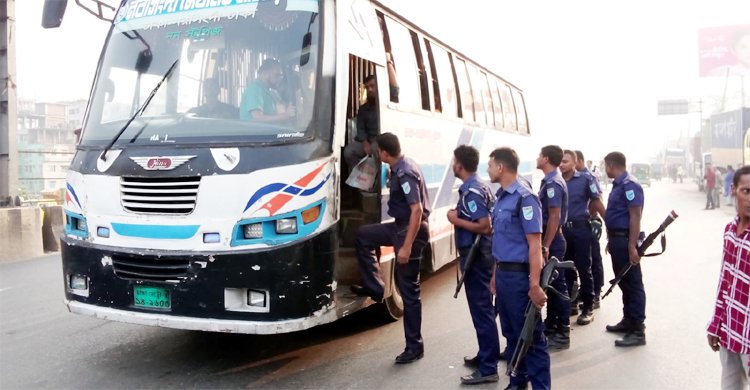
424 89
523 126
485 86
476 93
447 81
392 82
465 91
496 105
436 92
405 64
509 109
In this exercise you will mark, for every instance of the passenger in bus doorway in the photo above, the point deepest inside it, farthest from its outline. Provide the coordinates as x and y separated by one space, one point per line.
408 234
368 125
212 107
261 101
470 218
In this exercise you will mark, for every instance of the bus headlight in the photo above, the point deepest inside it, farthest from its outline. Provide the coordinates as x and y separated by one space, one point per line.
81 224
253 230
286 226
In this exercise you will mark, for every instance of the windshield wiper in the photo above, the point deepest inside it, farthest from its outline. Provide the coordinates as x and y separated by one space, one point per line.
139 111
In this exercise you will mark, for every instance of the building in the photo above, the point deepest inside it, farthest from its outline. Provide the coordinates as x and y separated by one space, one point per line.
46 144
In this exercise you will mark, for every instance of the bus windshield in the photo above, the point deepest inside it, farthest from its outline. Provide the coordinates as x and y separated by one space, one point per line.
246 72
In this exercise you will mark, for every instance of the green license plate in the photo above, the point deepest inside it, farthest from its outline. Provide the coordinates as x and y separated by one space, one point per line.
152 297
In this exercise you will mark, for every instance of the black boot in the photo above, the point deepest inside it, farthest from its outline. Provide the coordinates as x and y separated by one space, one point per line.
587 316
560 340
621 327
636 337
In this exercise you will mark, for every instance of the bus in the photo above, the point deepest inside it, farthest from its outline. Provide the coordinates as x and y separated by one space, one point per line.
183 218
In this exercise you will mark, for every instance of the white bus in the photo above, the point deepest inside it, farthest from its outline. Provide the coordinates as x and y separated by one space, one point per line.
184 217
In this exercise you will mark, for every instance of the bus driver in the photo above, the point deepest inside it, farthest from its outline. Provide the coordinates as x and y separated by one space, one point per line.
261 101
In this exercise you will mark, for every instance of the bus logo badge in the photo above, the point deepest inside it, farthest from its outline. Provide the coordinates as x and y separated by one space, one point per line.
161 163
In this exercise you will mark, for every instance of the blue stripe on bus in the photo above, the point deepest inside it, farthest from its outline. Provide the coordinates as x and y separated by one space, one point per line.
174 232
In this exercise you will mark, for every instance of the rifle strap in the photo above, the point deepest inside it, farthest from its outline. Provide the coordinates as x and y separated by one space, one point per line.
663 247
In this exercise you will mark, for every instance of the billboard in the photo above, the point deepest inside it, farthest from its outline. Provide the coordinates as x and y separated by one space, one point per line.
728 128
724 51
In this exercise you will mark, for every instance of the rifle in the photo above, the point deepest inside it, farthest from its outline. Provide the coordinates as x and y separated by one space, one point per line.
469 261
642 250
532 315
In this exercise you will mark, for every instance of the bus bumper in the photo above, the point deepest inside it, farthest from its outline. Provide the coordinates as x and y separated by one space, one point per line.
292 286
204 324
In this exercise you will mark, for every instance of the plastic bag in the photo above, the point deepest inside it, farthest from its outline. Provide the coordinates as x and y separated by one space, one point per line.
363 175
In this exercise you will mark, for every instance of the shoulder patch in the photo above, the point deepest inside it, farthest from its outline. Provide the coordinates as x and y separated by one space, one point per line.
472 206
528 213
630 195
593 188
551 192
406 187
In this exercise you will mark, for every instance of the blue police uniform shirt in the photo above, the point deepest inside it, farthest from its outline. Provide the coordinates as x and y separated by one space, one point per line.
588 172
407 187
626 193
581 191
517 212
554 193
474 203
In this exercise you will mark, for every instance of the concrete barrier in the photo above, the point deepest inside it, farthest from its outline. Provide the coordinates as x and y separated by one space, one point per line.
20 233
52 228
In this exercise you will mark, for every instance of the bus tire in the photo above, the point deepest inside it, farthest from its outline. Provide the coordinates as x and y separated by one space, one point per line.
392 307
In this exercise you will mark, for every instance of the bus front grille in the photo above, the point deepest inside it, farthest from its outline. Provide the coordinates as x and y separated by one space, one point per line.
150 268
170 195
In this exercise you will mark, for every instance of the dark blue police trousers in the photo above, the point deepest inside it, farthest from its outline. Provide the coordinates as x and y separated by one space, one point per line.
579 250
369 240
597 266
558 309
633 293
479 298
512 288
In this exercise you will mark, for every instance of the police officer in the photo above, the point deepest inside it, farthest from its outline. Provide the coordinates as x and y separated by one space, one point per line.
409 205
517 249
582 194
553 194
623 221
471 217
597 266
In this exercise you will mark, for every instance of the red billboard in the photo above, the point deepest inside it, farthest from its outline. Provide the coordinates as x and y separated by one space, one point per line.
724 51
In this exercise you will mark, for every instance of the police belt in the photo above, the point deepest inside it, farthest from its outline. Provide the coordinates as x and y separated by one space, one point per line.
581 223
512 267
618 233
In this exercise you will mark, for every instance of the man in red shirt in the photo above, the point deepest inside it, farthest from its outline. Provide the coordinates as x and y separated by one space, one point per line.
729 329
710 177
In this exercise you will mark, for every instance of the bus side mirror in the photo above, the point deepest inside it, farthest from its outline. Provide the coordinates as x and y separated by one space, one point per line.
53 13
304 57
144 61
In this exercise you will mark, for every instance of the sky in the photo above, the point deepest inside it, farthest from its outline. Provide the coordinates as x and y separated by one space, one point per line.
592 71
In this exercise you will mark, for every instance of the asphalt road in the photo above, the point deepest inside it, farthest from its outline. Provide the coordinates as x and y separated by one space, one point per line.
44 346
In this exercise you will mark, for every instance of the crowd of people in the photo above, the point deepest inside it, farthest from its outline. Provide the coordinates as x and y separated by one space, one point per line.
518 231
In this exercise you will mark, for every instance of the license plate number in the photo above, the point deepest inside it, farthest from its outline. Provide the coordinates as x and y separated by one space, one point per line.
152 297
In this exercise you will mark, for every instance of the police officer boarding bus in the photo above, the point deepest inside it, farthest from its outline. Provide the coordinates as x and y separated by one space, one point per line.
207 191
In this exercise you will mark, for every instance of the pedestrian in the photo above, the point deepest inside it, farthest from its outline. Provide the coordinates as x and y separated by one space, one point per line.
680 173
553 194
409 205
368 125
710 177
517 249
729 328
623 222
597 264
728 179
471 217
583 193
